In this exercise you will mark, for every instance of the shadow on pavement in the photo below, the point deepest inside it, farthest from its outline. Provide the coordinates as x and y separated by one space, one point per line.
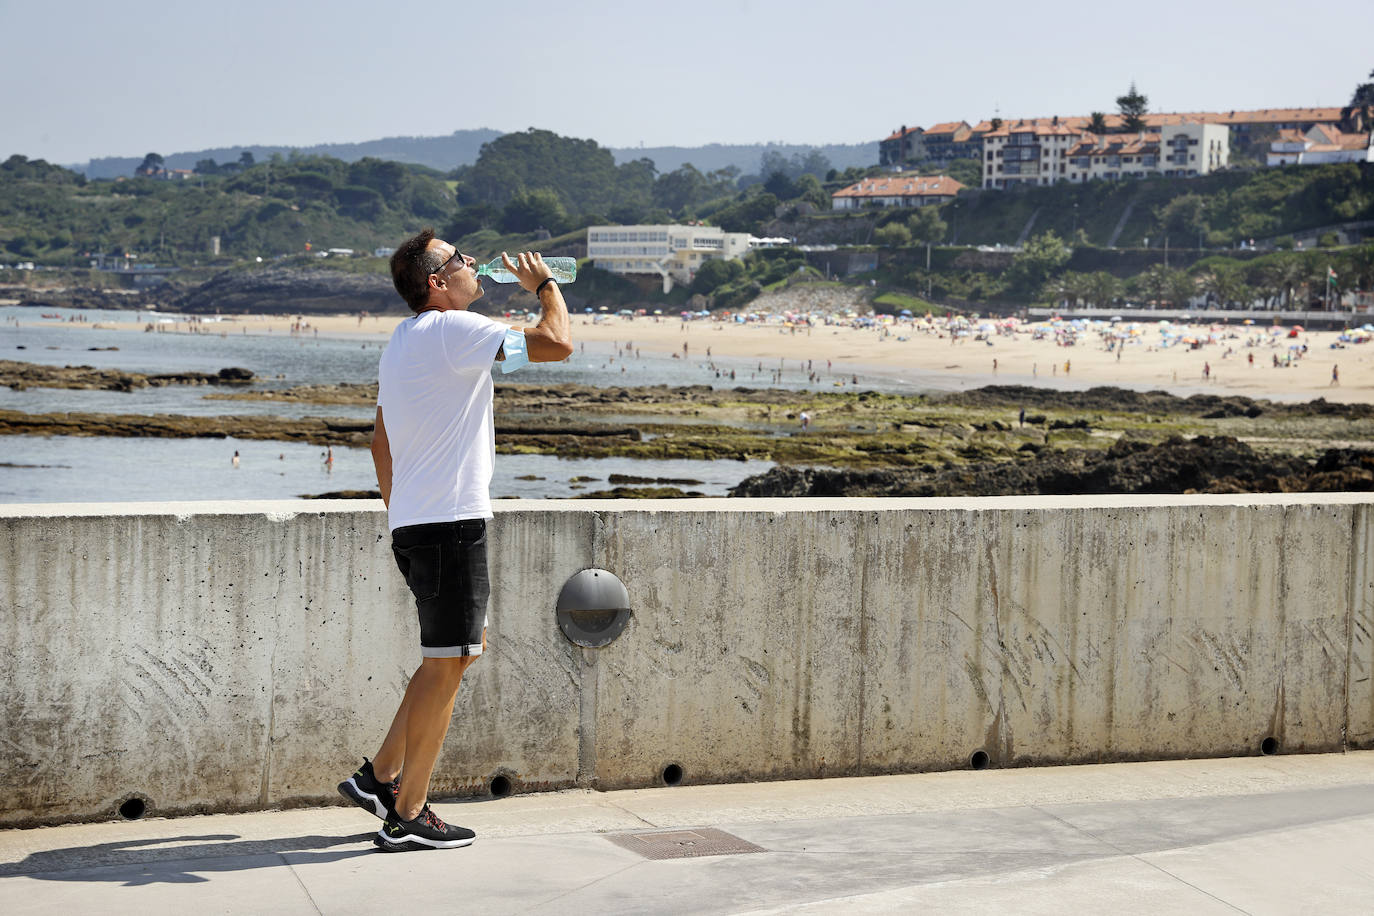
178 864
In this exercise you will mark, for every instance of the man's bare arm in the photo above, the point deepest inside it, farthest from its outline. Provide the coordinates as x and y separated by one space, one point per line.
551 339
381 458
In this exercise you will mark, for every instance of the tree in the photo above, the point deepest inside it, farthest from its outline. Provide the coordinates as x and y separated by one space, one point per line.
537 209
583 174
968 172
812 162
894 235
151 165
1182 289
995 123
714 274
1041 258
747 214
1103 289
1097 123
926 226
1067 288
809 190
246 159
1364 94
472 218
1183 217
1223 282
1289 274
1153 285
677 190
1360 263
207 167
1133 107
780 186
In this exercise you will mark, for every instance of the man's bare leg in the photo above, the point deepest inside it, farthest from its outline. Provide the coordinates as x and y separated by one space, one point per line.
417 732
391 758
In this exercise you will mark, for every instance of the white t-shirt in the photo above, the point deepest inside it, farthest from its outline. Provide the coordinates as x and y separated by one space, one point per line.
434 389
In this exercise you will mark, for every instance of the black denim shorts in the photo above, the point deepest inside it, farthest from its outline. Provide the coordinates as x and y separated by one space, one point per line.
445 565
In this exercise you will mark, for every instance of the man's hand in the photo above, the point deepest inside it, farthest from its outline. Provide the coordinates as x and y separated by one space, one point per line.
529 268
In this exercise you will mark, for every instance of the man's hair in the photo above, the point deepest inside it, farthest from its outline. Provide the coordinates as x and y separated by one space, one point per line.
411 266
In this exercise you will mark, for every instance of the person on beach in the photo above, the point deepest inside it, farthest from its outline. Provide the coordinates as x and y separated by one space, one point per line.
1335 375
434 449
235 460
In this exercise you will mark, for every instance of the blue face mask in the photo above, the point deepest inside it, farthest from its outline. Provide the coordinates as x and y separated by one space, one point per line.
514 348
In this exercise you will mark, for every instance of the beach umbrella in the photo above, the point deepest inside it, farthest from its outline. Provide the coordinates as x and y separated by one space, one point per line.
588 310
1367 327
1116 318
906 311
1248 321
1298 327
658 311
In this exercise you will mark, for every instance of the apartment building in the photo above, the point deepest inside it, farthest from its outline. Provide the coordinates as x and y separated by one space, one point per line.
1178 151
1027 153
671 252
937 145
897 191
904 145
1322 144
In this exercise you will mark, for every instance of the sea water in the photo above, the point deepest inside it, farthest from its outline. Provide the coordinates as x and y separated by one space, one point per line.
48 469
83 469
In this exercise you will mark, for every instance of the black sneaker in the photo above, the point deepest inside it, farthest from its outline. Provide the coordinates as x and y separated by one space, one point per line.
365 791
425 832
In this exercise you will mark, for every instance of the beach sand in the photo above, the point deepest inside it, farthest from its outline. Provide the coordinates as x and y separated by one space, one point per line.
966 363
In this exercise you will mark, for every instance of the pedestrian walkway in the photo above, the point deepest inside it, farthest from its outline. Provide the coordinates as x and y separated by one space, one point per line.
1253 835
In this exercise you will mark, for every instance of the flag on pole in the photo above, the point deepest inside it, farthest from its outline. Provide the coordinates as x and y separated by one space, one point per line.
1330 275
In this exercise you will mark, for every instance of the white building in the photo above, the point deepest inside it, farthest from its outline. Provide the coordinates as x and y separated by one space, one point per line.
1177 151
1323 143
1039 153
1027 152
671 252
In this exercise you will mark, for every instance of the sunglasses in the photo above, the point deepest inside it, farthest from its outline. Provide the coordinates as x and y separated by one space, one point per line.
458 256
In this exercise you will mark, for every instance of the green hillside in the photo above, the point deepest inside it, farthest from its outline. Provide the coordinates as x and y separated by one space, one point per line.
1221 210
54 216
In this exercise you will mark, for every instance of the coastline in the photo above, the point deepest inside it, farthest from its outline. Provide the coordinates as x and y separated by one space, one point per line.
928 359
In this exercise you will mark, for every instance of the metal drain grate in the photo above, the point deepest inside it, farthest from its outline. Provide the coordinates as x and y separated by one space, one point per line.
684 844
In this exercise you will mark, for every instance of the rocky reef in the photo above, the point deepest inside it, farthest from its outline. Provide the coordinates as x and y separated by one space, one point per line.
21 376
1203 464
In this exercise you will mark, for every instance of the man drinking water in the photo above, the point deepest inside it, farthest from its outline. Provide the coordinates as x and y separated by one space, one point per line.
434 448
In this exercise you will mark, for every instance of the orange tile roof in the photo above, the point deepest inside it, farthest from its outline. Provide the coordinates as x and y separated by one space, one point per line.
1117 145
948 127
1161 119
899 133
1323 138
903 186
1041 127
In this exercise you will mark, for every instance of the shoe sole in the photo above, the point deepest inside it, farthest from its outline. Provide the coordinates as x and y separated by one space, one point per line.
415 844
365 800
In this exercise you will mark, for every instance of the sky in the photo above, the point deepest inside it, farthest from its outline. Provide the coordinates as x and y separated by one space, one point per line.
89 79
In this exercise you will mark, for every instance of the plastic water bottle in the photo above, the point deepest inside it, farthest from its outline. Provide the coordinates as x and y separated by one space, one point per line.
564 270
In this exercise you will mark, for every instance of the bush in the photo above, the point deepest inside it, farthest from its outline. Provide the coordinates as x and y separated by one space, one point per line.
714 274
893 235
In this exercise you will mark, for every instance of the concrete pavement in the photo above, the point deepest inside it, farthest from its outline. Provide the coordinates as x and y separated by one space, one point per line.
1254 835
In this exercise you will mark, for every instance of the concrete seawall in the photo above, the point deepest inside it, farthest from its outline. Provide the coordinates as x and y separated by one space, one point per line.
231 656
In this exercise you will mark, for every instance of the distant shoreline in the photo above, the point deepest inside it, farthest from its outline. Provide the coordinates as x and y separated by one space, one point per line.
924 354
